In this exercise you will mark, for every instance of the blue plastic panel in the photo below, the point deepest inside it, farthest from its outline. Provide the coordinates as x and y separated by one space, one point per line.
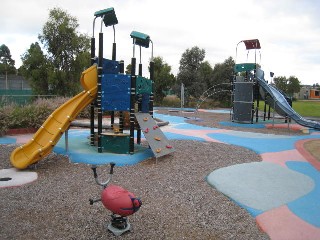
110 66
145 103
115 92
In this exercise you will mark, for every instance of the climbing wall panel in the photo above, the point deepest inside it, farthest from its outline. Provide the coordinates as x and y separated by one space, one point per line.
158 142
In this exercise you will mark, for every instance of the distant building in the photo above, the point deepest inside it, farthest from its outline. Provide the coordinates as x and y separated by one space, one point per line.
308 92
314 94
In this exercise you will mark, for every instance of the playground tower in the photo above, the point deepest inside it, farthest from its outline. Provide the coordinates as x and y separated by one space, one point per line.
245 86
123 93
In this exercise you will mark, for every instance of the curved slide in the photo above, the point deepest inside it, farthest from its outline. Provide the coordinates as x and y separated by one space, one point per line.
281 105
59 121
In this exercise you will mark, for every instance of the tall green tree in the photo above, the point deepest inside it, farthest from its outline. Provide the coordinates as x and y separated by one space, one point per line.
289 85
68 51
293 85
36 68
205 74
222 72
220 81
281 83
163 78
189 73
6 61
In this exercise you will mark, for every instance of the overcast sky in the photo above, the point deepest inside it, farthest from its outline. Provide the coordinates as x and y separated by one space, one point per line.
288 30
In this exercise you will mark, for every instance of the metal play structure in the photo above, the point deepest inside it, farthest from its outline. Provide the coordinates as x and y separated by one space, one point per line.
119 92
249 84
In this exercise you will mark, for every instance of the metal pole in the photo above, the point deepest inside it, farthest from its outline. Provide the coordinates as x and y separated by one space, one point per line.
100 65
92 56
66 139
132 104
140 64
93 47
114 55
139 101
182 96
7 80
274 109
121 113
264 110
151 101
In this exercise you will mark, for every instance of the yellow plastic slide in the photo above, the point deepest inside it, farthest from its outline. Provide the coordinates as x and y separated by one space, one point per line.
59 121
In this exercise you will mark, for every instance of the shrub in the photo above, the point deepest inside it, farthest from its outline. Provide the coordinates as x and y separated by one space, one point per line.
5 112
171 101
32 115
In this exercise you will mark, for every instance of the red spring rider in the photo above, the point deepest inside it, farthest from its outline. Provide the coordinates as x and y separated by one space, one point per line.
119 201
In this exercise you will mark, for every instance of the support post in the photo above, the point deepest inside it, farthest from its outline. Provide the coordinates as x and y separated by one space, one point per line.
100 65
132 104
152 88
139 110
93 49
114 55
139 101
257 97
121 113
265 110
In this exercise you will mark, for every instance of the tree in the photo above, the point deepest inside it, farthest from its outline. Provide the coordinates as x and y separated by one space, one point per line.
189 73
293 85
205 73
128 69
68 51
288 86
281 83
36 68
163 78
6 61
222 72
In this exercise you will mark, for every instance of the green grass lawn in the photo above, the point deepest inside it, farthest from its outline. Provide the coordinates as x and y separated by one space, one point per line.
304 108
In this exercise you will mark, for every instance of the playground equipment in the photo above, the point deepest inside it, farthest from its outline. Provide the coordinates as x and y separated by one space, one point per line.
106 88
119 201
245 86
121 93
281 104
249 84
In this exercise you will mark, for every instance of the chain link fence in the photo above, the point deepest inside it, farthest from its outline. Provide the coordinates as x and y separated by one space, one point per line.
19 97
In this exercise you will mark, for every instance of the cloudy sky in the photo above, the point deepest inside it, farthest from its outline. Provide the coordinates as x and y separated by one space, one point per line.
288 30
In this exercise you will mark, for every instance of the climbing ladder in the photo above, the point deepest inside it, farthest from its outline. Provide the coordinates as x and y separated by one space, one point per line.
158 142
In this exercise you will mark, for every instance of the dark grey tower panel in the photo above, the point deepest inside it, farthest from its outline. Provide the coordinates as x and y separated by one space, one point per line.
243 100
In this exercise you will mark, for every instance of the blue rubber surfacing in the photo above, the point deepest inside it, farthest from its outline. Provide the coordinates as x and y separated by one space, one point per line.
261 185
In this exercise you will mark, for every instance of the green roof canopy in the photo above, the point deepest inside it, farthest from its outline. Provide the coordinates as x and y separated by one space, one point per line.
242 67
108 15
141 39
